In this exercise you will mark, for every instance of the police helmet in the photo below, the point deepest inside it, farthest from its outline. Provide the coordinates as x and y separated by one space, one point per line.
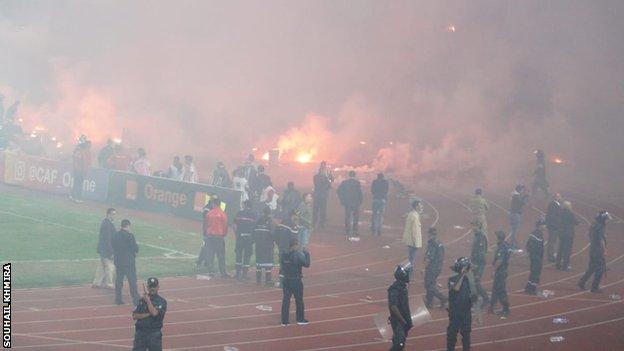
460 264
152 282
402 273
603 216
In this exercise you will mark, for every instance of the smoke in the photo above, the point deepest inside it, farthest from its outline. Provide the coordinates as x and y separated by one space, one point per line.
319 78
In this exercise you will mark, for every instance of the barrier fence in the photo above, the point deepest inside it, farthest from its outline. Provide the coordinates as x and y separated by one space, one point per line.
125 189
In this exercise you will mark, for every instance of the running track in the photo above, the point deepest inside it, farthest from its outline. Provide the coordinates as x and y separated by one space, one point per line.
344 288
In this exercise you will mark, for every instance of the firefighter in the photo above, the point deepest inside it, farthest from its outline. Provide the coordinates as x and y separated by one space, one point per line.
265 246
434 258
535 249
245 222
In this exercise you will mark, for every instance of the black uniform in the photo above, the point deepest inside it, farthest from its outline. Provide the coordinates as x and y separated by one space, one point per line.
398 296
553 224
459 312
477 257
245 223
291 263
125 249
540 181
435 256
265 245
535 249
566 238
285 232
499 289
597 264
148 335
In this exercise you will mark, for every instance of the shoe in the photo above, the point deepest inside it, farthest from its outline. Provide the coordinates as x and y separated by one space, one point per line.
597 291
95 286
490 310
225 276
285 324
303 322
581 286
109 287
442 304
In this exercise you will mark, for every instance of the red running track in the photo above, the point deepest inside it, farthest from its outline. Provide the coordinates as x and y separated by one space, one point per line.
344 288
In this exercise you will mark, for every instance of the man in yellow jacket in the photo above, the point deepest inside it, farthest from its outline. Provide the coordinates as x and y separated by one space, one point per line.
479 208
412 234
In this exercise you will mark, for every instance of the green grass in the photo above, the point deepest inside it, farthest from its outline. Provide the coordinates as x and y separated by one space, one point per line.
51 241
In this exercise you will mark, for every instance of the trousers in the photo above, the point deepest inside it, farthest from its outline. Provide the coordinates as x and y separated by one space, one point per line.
104 273
292 287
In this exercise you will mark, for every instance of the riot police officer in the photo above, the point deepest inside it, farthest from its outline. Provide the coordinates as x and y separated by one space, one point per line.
434 257
461 295
478 260
245 222
535 249
597 252
149 315
398 304
501 264
265 246
566 237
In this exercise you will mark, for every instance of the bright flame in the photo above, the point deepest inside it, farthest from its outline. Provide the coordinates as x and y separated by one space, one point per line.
254 149
117 140
53 138
557 160
265 156
20 120
59 145
40 128
451 28
304 157
362 143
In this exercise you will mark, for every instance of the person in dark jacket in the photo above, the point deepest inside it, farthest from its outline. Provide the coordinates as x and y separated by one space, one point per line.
286 231
290 200
501 266
566 237
149 315
379 189
535 249
350 195
597 252
434 258
125 249
106 268
105 154
540 181
478 259
259 182
220 176
291 263
265 246
461 296
322 184
245 223
398 304
553 224
519 198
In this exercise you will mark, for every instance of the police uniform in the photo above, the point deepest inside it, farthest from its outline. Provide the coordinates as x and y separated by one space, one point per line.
148 334
265 245
398 296
597 265
245 223
459 312
499 289
435 257
535 249
478 259
566 238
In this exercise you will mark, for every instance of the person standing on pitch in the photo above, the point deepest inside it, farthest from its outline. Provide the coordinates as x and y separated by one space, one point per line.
350 195
125 249
379 189
398 304
149 315
479 208
519 198
412 235
597 252
478 260
434 258
216 230
322 184
245 223
540 182
566 237
553 224
265 246
501 264
461 288
535 249
106 267
291 264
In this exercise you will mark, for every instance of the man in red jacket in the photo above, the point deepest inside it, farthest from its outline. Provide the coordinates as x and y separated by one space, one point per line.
215 231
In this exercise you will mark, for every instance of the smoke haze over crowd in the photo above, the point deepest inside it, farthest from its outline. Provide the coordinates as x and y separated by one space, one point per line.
449 88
